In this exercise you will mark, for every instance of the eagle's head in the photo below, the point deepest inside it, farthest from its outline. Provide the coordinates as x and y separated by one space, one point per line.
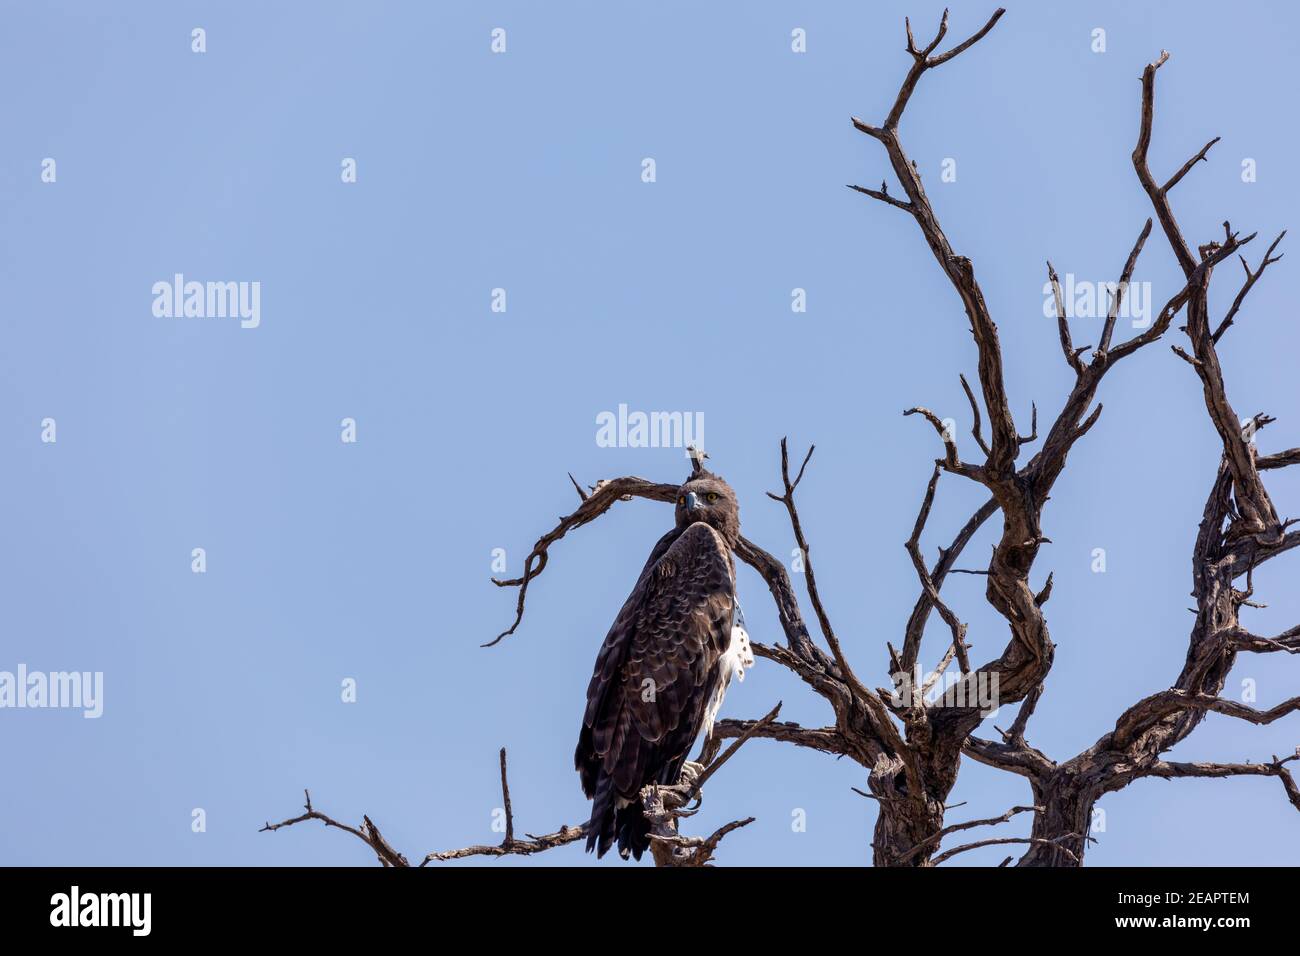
706 497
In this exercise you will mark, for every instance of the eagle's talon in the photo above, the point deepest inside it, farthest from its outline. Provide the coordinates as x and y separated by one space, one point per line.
690 773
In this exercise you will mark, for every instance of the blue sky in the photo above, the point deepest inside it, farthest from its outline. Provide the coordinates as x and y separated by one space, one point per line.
371 560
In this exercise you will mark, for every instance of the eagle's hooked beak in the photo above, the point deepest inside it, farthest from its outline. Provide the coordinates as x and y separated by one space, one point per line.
692 501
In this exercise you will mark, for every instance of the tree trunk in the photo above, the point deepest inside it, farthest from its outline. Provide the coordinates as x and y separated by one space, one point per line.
908 824
1065 820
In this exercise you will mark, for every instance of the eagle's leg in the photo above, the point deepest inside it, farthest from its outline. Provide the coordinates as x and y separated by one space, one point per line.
690 773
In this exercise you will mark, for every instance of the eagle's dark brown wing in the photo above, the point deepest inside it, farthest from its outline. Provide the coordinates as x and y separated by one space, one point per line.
653 677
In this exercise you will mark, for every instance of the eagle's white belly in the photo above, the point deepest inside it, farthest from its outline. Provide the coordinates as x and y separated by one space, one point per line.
737 657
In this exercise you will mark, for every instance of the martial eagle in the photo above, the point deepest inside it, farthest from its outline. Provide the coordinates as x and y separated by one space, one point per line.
664 666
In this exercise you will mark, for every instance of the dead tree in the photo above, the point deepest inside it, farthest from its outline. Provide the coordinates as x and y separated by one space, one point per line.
911 744
1239 531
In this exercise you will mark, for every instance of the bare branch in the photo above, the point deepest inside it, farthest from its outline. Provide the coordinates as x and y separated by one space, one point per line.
774 573
593 506
1157 195
368 833
509 846
922 60
1125 278
883 195
927 583
825 739
505 796
1033 426
1251 279
1279 460
1042 596
1177 177
1288 641
975 413
951 461
940 570
1019 758
577 487
1055 843
1016 735
967 43
727 754
1171 770
1256 515
1157 328
534 844
1147 712
957 827
958 269
703 847
1063 323
823 620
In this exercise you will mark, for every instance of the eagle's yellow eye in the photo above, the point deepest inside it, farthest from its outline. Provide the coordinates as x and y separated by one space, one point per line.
681 500
712 496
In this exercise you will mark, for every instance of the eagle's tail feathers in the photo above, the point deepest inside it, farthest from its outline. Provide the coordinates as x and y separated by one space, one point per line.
633 830
602 829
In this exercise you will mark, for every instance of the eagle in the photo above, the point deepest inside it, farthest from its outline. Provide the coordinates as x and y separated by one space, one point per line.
664 666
